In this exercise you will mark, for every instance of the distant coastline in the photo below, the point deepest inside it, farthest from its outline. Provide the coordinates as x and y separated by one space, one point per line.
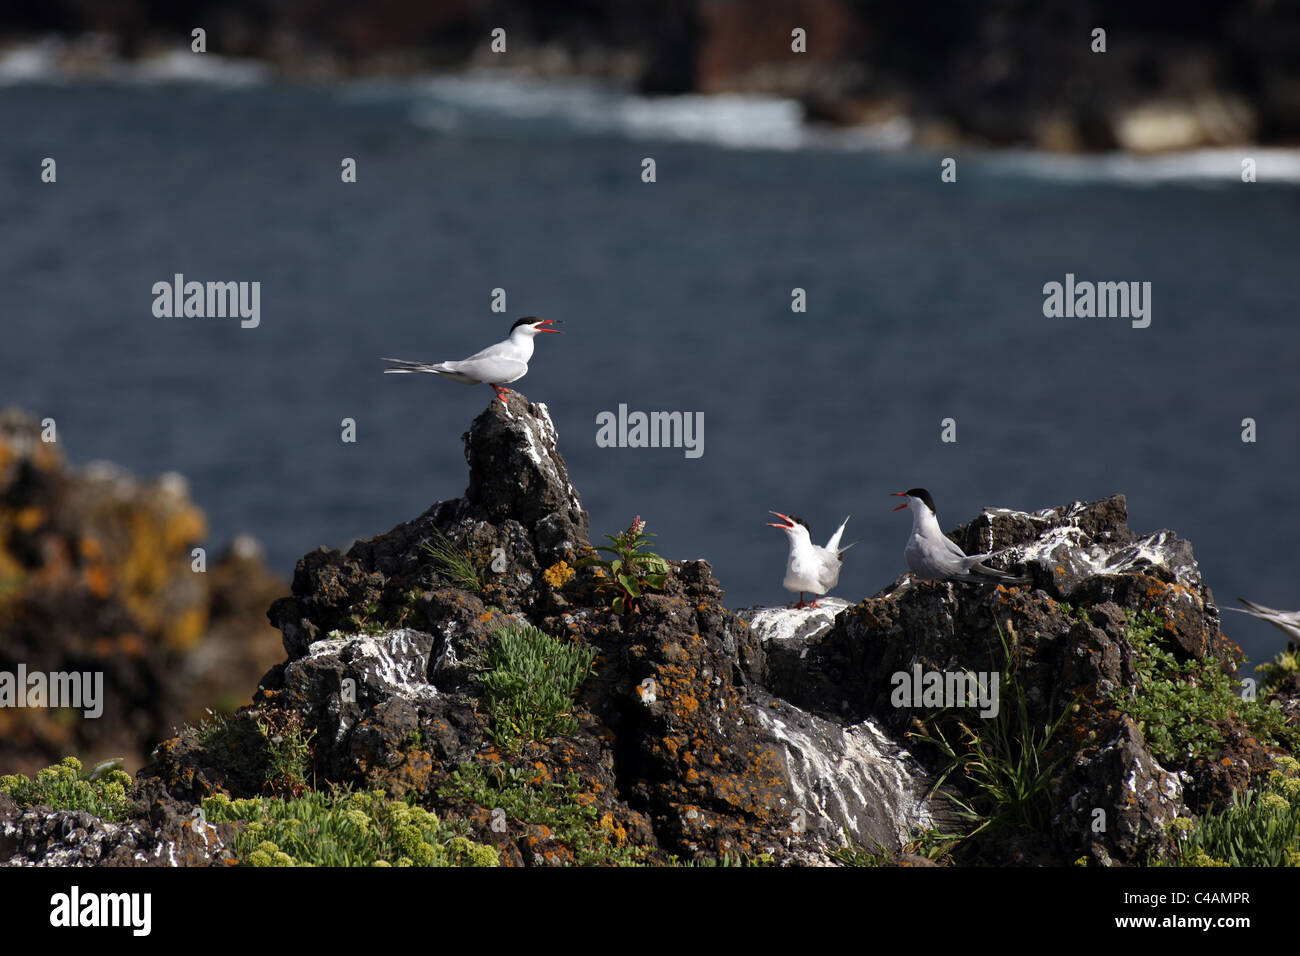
985 76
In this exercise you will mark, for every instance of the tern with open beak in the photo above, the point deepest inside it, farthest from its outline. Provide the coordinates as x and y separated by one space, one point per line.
496 365
810 567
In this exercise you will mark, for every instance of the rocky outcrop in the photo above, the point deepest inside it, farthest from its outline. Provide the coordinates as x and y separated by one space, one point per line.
705 734
1070 649
97 574
678 744
39 836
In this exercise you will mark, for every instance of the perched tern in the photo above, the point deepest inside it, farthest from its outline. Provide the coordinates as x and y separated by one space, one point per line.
810 567
496 365
1286 621
933 556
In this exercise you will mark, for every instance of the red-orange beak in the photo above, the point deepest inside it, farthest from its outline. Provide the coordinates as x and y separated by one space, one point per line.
904 504
785 527
541 326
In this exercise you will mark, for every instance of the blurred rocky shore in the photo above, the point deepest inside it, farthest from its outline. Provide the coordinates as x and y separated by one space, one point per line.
1172 76
98 574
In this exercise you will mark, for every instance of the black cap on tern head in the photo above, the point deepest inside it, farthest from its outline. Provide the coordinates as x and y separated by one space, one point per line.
526 320
797 520
924 496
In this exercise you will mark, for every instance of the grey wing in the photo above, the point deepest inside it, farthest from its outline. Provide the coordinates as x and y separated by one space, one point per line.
828 573
955 550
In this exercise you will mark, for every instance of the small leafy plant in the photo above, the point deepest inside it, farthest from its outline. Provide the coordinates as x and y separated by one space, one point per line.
1182 706
288 755
631 569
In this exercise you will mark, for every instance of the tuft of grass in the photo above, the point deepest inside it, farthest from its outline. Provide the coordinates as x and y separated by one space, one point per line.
930 843
453 562
1004 761
532 799
529 684
1261 828
1181 706
727 859
63 787
343 828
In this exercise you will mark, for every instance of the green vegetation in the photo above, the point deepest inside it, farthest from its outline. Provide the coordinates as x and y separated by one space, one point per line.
343 829
930 843
453 562
271 747
1003 760
288 755
528 797
212 728
63 787
365 621
1181 706
1278 670
631 571
529 685
1260 829
726 859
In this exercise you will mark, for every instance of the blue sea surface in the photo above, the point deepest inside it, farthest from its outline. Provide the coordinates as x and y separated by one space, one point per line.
924 302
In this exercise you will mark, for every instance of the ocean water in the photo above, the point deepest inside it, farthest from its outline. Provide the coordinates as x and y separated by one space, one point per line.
924 302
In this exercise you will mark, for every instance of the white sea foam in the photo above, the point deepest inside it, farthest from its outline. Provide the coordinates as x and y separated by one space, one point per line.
1273 164
742 121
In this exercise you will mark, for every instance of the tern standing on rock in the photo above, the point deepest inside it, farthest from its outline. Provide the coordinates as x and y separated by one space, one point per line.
933 556
496 365
810 567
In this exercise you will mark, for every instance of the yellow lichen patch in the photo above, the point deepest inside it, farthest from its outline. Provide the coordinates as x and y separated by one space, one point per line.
558 574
